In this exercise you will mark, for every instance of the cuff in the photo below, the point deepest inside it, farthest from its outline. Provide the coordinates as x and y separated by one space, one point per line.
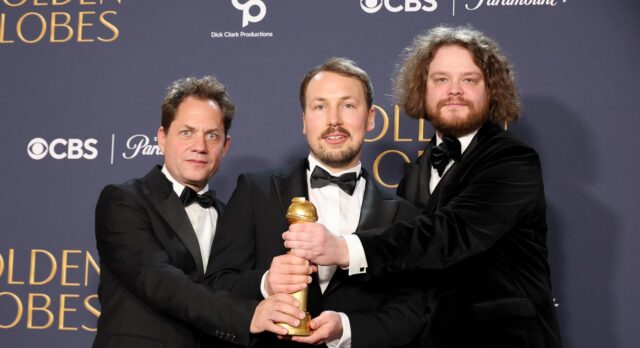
263 288
345 340
357 258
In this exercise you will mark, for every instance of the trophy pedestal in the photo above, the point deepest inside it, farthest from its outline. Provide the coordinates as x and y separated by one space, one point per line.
300 330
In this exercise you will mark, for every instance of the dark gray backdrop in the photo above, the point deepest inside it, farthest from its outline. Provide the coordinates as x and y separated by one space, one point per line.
577 68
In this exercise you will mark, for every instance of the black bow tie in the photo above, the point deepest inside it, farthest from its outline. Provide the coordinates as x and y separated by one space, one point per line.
440 155
205 200
346 182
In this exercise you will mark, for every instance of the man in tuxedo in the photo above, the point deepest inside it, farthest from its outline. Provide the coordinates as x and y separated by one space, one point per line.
249 257
480 241
154 235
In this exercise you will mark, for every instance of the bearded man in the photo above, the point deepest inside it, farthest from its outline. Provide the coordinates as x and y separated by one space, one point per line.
480 241
249 257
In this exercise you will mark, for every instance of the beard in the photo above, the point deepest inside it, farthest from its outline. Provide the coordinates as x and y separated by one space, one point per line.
337 158
457 125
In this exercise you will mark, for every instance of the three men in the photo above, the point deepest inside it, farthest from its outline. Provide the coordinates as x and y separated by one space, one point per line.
248 252
480 242
154 235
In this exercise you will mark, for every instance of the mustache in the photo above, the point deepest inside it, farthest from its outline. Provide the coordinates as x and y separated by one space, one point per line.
453 101
334 129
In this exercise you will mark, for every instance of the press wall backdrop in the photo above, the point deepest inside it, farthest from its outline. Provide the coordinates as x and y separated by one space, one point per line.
81 82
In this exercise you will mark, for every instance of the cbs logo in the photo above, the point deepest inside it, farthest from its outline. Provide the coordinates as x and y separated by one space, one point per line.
39 148
246 10
373 6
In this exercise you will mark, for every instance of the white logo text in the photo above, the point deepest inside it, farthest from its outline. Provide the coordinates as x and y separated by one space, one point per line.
246 7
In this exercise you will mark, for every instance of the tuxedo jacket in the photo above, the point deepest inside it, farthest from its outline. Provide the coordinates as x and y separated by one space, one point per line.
151 274
386 312
480 243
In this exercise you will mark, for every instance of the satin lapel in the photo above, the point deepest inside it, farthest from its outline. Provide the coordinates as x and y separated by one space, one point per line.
289 183
338 278
219 207
171 209
314 298
376 212
415 183
435 195
424 168
455 168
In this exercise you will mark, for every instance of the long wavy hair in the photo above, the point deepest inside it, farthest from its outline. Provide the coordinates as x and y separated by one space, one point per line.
410 83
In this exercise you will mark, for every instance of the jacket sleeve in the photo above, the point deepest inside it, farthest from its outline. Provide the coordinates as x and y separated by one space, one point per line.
132 252
504 189
395 323
399 320
234 247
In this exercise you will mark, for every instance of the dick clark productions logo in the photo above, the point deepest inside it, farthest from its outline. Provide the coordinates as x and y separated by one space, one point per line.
246 8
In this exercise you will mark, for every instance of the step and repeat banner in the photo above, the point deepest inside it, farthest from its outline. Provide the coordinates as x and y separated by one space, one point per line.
81 82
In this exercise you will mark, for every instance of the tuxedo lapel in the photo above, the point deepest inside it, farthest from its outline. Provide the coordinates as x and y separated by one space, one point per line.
415 184
376 211
452 173
424 167
432 204
219 207
314 298
339 276
171 209
289 183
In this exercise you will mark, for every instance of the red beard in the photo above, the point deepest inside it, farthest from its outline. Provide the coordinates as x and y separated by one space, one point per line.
457 126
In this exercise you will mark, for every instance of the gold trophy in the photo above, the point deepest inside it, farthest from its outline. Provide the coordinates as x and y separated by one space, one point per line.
301 210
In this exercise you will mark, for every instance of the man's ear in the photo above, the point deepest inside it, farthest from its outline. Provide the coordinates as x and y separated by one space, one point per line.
227 143
371 119
304 125
161 138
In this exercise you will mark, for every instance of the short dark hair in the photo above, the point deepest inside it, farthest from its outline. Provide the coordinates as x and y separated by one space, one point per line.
341 66
410 84
206 87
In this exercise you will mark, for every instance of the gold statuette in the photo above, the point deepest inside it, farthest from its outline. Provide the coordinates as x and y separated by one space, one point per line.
301 210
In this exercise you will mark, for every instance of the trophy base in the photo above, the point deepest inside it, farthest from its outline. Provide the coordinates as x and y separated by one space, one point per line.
300 330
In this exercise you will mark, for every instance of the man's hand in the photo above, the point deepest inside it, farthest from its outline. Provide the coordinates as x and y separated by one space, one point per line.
325 327
288 274
315 243
279 308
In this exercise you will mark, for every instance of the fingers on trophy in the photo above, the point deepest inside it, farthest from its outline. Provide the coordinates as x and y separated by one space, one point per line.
301 210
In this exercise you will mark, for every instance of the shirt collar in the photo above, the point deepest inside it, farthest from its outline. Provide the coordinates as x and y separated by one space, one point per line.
178 187
465 140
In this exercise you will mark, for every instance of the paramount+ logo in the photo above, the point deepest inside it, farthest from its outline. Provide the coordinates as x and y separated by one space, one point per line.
373 6
60 148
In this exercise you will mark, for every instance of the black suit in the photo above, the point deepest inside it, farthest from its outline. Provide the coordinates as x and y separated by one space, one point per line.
481 246
151 273
382 313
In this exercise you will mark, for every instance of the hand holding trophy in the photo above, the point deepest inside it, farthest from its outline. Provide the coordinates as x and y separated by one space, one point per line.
301 210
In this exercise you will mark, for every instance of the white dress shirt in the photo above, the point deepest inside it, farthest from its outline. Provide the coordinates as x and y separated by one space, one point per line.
203 220
339 212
